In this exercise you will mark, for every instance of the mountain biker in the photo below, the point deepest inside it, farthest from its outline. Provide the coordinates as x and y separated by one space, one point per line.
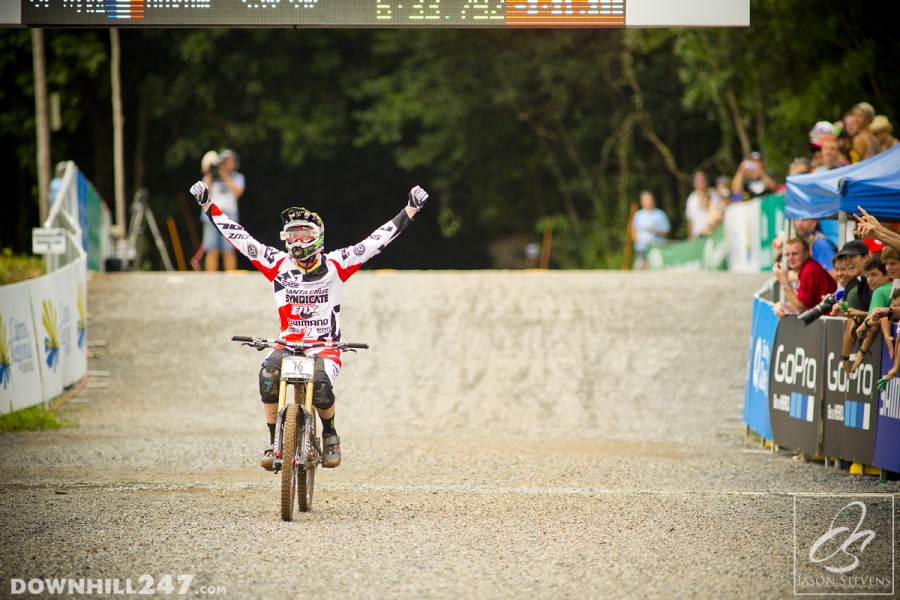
307 283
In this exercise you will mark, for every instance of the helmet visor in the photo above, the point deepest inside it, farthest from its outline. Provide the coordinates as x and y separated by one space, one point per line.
305 234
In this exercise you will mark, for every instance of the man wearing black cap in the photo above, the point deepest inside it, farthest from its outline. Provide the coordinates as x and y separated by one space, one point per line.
857 294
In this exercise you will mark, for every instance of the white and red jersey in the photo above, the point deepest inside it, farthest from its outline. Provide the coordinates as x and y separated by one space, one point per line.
308 304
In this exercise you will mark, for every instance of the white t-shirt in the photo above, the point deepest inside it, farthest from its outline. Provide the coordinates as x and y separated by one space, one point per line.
698 214
224 198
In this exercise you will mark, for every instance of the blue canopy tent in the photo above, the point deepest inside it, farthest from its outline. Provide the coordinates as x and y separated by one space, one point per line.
880 196
873 184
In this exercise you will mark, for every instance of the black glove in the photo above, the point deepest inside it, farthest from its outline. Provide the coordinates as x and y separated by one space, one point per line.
201 194
417 198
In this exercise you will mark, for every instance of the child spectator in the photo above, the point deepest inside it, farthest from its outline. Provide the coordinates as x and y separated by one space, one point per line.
876 275
891 259
894 310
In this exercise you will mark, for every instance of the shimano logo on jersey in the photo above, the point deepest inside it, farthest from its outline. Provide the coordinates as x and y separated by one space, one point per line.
795 369
761 356
309 323
860 382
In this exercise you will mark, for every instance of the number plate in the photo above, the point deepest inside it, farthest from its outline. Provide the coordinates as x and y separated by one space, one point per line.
298 367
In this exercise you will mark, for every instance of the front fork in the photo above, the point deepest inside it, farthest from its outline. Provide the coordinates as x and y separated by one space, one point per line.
306 409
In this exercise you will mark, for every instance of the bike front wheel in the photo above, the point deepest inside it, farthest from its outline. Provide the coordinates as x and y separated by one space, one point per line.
309 455
290 461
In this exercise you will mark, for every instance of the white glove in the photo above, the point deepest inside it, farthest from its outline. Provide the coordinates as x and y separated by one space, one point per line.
417 198
201 194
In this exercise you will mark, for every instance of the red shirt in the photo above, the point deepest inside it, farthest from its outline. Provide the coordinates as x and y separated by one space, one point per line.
814 282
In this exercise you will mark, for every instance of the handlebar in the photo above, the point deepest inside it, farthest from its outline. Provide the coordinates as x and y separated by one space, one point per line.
260 343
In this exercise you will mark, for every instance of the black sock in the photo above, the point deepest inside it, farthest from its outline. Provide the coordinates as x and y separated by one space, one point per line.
328 426
271 433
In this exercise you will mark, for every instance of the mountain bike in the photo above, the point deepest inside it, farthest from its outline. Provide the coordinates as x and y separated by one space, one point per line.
298 449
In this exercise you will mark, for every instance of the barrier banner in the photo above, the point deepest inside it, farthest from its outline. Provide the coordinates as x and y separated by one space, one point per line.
71 296
771 220
20 375
887 431
709 253
756 389
849 402
47 316
795 384
742 228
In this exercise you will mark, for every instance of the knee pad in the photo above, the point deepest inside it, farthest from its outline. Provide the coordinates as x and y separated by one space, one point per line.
323 395
269 376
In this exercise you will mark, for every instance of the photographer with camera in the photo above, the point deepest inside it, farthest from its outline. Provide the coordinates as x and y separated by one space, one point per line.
227 186
752 179
813 281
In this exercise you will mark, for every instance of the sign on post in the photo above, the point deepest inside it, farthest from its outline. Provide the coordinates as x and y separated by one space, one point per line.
46 240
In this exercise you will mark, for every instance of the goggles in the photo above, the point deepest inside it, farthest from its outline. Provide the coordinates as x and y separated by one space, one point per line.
305 234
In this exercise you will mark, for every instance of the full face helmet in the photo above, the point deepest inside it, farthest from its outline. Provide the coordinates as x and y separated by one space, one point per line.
304 235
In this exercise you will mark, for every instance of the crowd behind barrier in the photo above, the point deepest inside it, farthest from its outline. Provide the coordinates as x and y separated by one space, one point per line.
798 396
43 333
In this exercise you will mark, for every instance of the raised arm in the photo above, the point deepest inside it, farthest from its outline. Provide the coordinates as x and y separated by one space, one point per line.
264 258
348 260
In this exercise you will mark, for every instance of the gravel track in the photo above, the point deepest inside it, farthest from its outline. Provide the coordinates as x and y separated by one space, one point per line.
508 435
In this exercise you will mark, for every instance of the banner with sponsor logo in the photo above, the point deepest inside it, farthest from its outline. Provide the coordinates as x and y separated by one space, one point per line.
795 384
709 253
20 375
756 389
46 308
849 402
887 432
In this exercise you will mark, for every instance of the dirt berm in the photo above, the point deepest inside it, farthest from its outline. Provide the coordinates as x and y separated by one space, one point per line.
508 435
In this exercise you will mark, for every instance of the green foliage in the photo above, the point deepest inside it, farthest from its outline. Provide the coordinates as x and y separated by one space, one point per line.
33 418
508 130
15 268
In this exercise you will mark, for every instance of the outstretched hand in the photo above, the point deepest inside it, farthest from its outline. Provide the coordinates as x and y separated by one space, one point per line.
201 194
865 224
417 198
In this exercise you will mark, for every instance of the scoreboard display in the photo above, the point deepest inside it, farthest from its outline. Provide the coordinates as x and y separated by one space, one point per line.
324 13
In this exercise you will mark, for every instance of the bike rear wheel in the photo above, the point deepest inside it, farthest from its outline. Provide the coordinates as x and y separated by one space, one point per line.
289 461
309 454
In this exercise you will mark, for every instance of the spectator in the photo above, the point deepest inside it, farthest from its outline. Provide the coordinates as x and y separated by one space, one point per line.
751 179
857 295
650 225
880 284
704 210
226 185
813 281
891 259
883 131
819 131
865 145
56 183
830 155
723 189
845 129
821 247
892 313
